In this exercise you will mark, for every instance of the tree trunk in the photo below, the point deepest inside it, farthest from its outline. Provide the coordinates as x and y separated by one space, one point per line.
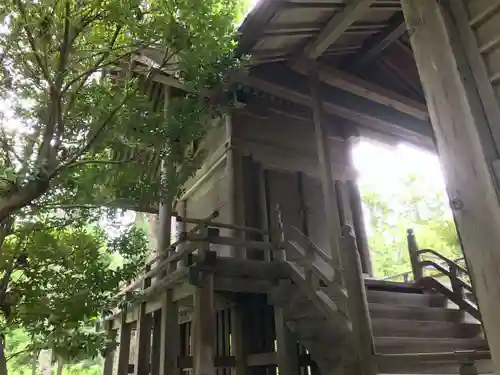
3 360
60 365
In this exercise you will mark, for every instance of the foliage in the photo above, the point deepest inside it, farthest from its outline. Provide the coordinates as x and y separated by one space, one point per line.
417 207
79 131
60 280
76 96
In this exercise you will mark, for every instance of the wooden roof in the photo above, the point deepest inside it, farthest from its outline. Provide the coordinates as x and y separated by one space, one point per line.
360 51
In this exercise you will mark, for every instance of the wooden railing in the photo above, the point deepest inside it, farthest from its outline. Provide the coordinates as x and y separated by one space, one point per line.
340 286
194 245
432 269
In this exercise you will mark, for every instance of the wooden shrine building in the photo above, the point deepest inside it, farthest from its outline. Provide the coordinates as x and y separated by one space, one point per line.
272 272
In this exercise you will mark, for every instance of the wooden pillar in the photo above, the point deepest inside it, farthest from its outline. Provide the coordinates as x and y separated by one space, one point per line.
170 335
234 175
358 219
458 120
203 337
124 349
238 341
110 354
286 345
143 336
156 343
325 170
143 342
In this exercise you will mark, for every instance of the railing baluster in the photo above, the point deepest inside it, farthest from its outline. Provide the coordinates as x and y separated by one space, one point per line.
277 237
414 257
457 287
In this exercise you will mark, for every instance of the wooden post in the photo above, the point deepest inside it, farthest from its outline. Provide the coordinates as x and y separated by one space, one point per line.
143 336
325 170
203 337
124 350
458 119
234 176
238 340
110 354
170 335
165 209
356 205
357 303
416 268
457 287
278 236
288 361
183 229
156 343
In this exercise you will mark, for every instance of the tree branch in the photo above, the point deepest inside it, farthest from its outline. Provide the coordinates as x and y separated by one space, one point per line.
31 40
85 162
85 75
92 138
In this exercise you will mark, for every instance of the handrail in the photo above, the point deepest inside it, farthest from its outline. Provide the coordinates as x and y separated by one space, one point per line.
420 259
444 259
446 272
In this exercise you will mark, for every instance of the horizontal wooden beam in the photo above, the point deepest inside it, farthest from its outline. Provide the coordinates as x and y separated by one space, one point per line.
417 133
337 25
365 89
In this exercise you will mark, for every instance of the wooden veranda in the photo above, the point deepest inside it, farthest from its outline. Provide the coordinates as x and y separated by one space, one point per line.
251 289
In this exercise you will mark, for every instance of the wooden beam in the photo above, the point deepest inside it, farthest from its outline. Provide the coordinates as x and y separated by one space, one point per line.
458 118
203 333
170 334
422 136
364 89
375 45
337 25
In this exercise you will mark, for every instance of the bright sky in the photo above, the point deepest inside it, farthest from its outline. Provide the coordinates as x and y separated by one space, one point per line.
382 167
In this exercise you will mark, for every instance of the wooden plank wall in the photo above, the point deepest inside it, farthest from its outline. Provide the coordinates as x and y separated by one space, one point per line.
285 150
484 19
208 189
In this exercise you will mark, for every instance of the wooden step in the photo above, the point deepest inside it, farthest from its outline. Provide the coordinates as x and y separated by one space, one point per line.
433 363
407 366
392 286
426 345
388 311
429 329
405 299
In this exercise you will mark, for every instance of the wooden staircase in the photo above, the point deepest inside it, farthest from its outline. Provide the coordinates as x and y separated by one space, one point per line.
408 328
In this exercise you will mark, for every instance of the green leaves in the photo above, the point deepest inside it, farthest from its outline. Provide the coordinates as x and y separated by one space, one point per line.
416 207
67 279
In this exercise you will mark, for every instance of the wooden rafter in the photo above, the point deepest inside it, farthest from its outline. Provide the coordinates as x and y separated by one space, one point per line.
364 89
254 24
374 46
337 25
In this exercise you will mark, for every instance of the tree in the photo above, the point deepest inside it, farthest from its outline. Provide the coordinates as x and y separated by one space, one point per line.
67 114
60 279
78 128
416 206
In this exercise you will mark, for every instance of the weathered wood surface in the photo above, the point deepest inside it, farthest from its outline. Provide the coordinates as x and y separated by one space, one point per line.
170 334
458 120
203 327
330 206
